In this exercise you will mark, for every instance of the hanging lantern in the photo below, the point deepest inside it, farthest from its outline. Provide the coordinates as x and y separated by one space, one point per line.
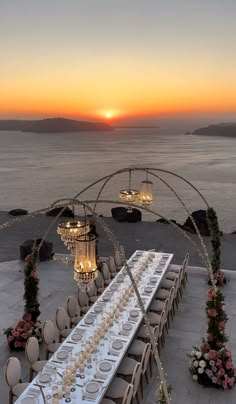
128 194
85 266
69 231
146 194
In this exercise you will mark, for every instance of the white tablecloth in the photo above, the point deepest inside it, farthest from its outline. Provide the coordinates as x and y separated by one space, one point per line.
154 266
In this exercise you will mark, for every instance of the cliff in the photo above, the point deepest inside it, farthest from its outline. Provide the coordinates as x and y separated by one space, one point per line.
222 129
53 125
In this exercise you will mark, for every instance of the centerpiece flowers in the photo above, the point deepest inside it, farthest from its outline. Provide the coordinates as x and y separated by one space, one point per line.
211 364
29 325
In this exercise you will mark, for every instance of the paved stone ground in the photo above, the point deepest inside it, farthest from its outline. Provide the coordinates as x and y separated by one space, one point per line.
187 329
134 236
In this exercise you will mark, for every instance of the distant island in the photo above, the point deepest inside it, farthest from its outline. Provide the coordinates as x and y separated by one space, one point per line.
53 125
222 129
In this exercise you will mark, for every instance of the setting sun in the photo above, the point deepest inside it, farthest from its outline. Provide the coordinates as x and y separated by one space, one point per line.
108 115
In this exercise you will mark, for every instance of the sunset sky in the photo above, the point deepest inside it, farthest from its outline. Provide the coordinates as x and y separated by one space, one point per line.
117 58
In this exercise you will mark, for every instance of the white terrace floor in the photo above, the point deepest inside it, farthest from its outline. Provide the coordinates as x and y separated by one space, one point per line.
187 329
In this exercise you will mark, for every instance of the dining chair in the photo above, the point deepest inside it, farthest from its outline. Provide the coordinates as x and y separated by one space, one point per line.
106 273
112 266
117 258
99 282
73 310
92 292
83 300
12 373
62 322
48 334
127 394
32 357
107 401
119 386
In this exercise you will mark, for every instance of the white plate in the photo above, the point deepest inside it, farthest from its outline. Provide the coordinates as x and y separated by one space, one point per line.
105 366
29 400
98 308
134 313
45 377
62 355
92 387
114 287
76 336
117 345
148 290
153 280
89 320
158 270
107 297
120 278
127 327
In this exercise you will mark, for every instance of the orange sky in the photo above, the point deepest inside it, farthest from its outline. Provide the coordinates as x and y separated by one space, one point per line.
149 67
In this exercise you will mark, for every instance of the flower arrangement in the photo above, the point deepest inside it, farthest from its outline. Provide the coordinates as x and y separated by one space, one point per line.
212 368
29 325
211 364
215 233
25 328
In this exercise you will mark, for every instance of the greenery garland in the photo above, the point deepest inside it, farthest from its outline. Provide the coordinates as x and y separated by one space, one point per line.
162 397
31 285
28 326
215 234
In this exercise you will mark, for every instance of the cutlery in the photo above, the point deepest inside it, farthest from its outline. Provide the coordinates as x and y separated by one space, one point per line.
39 385
54 361
71 342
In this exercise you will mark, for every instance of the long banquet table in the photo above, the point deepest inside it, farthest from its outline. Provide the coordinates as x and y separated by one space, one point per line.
109 327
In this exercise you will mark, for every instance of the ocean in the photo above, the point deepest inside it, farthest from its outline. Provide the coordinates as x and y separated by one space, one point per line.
37 169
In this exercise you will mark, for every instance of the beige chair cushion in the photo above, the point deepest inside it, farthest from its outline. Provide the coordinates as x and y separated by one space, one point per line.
38 366
85 309
127 366
101 290
66 332
157 306
54 347
175 268
143 333
137 348
162 294
167 284
19 388
93 299
117 388
76 320
172 275
154 318
107 401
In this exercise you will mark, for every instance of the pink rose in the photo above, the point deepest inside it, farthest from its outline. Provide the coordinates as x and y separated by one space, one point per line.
24 335
212 355
27 317
219 382
219 363
228 353
16 334
20 324
34 274
221 326
11 338
229 365
28 259
210 337
231 381
212 312
224 384
18 344
220 372
210 294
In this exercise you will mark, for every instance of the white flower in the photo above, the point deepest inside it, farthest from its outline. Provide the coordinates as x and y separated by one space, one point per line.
195 364
198 354
200 370
193 353
209 372
212 363
214 368
206 356
202 363
195 377
214 379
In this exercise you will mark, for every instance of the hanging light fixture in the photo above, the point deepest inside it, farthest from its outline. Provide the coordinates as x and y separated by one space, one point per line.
129 194
146 192
69 231
85 267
